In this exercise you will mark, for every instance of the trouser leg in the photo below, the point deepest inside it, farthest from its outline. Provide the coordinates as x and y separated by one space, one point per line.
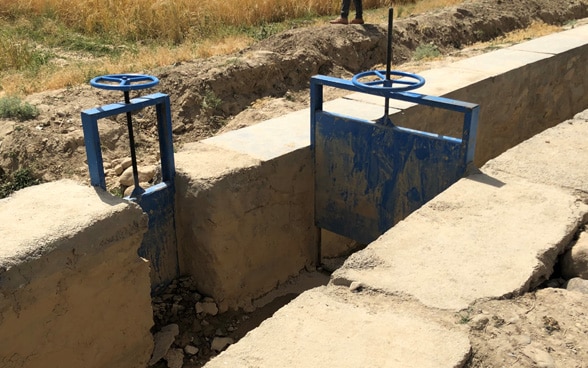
345 8
358 9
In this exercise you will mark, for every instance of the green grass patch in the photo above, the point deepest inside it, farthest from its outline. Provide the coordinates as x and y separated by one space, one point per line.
428 51
20 179
14 108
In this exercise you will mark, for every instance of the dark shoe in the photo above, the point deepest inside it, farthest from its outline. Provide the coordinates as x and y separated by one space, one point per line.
357 21
340 20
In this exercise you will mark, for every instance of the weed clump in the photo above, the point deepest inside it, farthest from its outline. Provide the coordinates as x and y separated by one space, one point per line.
14 108
20 179
428 51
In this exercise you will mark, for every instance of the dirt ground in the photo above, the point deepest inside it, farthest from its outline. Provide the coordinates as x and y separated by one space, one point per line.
270 79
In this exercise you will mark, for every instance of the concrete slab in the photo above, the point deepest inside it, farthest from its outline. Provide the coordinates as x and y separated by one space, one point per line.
499 61
556 43
564 145
319 329
199 160
269 139
481 238
83 207
442 81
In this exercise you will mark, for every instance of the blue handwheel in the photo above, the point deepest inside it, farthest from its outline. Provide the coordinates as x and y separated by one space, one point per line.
383 86
124 82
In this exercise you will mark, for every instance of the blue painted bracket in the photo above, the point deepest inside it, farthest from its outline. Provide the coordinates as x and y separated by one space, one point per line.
159 243
369 176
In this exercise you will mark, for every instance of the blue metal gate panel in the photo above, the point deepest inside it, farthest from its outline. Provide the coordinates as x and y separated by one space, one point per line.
369 176
159 243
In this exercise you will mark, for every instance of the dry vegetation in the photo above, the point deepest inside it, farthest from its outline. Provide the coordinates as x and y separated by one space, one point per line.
50 44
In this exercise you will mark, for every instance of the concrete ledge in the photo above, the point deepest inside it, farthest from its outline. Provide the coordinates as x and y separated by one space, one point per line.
565 143
482 238
344 330
68 270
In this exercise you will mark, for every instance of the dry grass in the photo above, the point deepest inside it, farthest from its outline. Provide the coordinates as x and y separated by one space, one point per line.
151 33
172 20
536 29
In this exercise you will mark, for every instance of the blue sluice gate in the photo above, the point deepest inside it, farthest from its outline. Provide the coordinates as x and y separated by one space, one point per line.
371 175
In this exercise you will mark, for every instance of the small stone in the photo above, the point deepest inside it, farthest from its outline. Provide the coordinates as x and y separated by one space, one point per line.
578 284
574 263
207 307
540 357
145 174
356 287
220 343
179 128
479 322
191 350
513 320
163 341
522 339
174 358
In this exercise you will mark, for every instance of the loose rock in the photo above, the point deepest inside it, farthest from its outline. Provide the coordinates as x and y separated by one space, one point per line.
574 263
146 174
220 343
191 350
479 322
207 307
540 357
356 287
163 340
174 358
578 284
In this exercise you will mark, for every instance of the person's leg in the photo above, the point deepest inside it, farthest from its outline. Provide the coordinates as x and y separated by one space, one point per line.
345 8
358 9
344 13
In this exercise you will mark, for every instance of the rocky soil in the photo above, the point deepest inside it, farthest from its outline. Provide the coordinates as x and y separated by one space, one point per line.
270 79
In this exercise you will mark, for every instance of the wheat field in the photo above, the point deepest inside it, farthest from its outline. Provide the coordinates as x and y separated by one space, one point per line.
172 20
50 44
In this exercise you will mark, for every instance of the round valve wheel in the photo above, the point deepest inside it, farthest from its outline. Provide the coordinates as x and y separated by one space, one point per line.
384 86
124 82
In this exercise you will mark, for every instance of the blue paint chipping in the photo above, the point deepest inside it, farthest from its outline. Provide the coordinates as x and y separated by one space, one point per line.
369 176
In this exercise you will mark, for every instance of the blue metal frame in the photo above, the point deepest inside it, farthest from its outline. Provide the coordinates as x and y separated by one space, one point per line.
159 243
369 176
90 119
